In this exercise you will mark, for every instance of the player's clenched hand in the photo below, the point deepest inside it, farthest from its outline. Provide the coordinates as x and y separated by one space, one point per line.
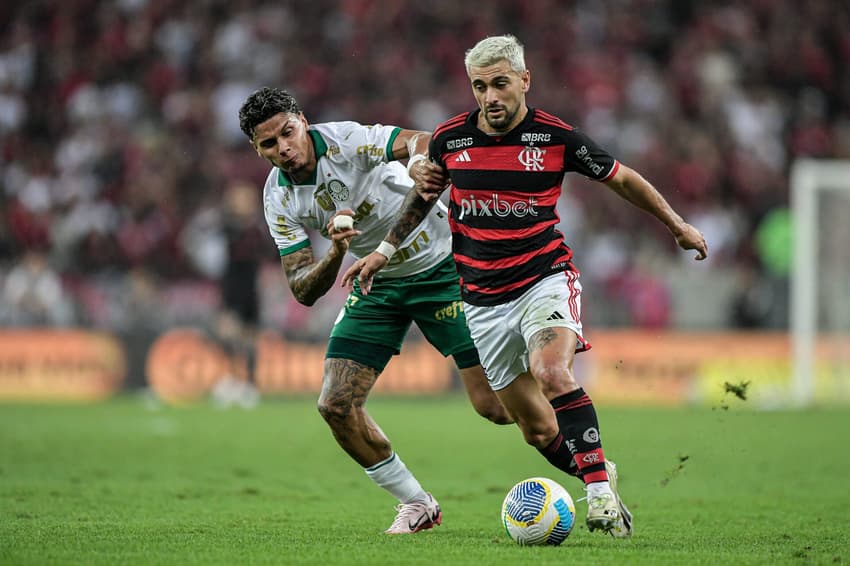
689 238
341 237
429 179
364 269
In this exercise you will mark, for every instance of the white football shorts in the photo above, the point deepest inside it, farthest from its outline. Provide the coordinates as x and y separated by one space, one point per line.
501 333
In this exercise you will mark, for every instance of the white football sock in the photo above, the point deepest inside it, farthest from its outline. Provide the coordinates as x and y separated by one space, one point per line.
393 475
598 488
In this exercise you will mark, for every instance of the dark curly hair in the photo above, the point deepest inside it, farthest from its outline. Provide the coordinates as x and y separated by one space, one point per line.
262 104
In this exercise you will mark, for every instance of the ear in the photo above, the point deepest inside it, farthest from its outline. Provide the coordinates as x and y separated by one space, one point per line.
526 81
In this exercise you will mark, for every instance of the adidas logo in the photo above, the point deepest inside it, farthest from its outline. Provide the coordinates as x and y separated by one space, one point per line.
555 316
463 157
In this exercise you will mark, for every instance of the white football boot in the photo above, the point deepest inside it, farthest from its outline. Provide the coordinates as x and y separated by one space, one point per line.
416 516
608 513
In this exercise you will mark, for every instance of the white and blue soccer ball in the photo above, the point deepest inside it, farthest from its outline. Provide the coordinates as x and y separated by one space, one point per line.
538 511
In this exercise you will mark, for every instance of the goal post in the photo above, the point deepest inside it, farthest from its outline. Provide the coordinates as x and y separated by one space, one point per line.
820 277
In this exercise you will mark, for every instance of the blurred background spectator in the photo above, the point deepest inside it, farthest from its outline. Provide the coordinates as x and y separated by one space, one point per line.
124 199
33 295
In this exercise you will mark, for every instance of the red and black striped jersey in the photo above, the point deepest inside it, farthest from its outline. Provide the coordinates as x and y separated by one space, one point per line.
503 197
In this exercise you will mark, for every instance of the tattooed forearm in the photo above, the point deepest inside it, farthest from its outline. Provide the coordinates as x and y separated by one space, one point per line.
413 211
307 279
540 339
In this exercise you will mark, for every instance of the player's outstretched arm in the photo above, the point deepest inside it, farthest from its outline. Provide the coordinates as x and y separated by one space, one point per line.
630 185
409 143
364 269
310 279
429 177
417 204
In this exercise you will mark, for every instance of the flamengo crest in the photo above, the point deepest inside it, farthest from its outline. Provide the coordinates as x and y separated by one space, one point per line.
532 158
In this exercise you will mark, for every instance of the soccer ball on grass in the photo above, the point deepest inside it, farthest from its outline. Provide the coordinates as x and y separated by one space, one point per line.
538 511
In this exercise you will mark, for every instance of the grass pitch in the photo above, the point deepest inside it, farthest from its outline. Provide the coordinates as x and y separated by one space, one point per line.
125 482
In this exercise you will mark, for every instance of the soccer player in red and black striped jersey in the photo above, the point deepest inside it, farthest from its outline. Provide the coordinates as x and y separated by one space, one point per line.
504 165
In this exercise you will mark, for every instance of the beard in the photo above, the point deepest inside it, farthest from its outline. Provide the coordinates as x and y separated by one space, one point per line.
502 122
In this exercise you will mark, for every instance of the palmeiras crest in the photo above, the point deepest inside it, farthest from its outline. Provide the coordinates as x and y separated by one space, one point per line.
338 191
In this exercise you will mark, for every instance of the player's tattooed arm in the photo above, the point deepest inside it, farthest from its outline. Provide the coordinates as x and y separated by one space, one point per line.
429 181
309 279
414 209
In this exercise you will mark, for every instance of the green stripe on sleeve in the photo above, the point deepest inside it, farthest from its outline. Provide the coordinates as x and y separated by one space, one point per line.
389 151
292 249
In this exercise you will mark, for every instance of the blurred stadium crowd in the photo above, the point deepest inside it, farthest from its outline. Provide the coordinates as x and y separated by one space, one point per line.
129 198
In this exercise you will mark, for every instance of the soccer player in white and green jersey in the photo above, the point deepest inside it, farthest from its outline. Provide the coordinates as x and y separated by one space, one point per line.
321 171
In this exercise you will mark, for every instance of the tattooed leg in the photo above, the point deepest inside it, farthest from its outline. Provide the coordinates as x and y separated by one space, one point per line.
550 354
345 387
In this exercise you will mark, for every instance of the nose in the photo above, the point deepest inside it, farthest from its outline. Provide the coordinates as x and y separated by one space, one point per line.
283 148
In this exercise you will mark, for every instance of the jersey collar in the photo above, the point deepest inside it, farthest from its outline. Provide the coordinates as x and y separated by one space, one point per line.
320 147
472 120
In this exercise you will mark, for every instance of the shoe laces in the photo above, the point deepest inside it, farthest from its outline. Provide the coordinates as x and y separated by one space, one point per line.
599 501
405 512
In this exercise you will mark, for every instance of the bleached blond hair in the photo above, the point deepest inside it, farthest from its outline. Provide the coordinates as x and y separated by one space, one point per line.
491 50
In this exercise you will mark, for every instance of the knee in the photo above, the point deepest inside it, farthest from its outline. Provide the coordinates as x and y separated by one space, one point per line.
539 434
333 409
501 418
495 413
345 385
488 406
554 379
482 397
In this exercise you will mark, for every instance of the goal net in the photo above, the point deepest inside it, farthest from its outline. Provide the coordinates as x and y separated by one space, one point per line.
820 281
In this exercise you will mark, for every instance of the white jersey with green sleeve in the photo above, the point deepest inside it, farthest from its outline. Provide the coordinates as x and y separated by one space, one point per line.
355 169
